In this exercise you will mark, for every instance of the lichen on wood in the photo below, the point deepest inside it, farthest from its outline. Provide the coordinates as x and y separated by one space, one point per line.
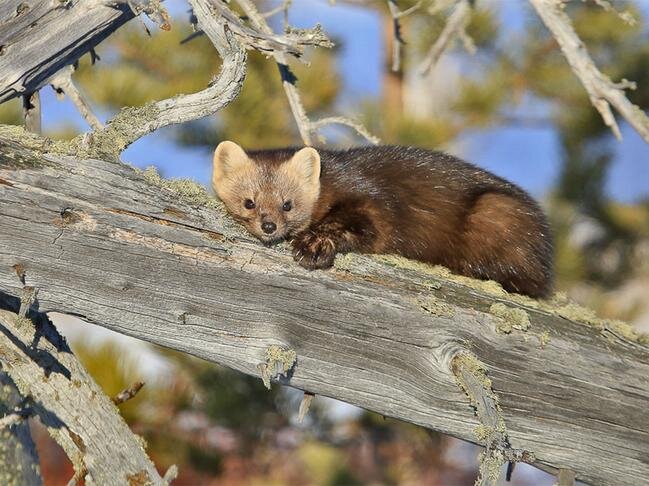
509 318
279 361
436 307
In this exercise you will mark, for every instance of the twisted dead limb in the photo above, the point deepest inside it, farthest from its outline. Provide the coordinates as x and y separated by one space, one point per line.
130 124
265 40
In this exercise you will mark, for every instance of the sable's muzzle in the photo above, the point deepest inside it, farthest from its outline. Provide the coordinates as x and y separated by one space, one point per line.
268 227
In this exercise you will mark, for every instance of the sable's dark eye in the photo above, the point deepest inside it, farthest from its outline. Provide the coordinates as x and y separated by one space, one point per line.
249 204
287 206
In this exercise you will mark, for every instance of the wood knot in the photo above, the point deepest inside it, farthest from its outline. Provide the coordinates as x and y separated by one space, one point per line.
75 218
19 268
22 8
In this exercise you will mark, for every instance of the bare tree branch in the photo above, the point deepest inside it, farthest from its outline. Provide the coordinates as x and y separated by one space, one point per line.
288 80
305 404
71 405
341 120
128 393
265 40
601 90
131 124
152 9
455 27
219 23
14 417
62 83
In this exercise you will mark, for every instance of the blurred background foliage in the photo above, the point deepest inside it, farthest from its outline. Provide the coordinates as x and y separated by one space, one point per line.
221 427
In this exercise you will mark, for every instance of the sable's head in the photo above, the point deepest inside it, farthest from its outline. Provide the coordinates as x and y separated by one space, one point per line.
273 200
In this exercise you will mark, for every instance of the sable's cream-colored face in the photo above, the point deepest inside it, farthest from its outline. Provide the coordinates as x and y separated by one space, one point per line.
273 201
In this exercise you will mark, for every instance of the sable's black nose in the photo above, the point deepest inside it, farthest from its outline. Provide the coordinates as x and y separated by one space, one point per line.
268 227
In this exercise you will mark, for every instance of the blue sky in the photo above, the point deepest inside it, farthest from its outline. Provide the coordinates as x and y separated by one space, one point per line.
529 156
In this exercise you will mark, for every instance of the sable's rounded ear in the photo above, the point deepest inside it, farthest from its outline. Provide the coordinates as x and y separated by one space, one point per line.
228 157
305 164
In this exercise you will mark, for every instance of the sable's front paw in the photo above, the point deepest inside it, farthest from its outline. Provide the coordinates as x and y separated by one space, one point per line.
313 251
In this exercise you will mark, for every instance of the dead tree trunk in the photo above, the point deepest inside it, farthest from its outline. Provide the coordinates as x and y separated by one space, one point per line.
541 382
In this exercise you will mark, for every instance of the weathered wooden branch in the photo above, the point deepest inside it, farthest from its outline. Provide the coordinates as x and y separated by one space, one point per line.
292 42
71 405
18 457
128 393
601 90
552 385
226 31
38 38
130 124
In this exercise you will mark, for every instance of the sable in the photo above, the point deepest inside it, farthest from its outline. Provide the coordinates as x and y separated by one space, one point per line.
421 204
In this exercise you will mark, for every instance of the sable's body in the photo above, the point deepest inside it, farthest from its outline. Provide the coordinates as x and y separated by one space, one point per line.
424 205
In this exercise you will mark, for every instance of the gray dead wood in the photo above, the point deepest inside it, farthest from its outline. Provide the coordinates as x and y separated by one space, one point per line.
101 241
37 38
18 458
132 123
71 405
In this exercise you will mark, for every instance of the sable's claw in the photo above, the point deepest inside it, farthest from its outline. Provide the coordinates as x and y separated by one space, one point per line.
319 251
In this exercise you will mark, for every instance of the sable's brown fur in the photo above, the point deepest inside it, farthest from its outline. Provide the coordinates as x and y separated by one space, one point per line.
424 205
